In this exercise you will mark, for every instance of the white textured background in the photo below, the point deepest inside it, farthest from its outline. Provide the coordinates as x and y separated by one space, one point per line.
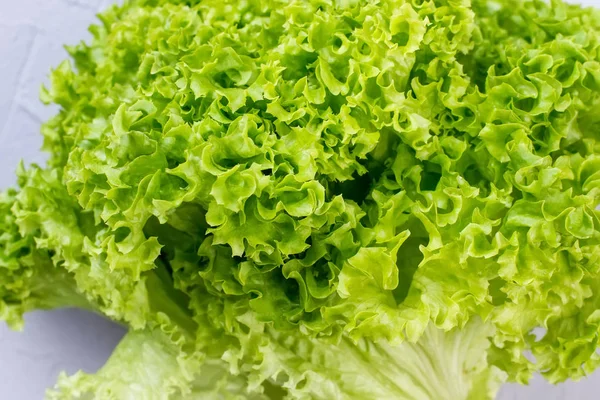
32 33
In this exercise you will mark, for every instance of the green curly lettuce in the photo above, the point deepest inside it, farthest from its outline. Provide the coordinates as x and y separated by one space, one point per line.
29 278
155 364
309 191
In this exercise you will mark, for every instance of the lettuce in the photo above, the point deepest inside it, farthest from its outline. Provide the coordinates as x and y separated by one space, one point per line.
320 199
153 364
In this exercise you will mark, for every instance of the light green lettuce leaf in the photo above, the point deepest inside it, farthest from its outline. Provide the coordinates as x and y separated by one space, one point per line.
29 278
153 364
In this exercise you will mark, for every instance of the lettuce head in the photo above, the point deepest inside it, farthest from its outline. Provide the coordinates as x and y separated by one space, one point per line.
320 199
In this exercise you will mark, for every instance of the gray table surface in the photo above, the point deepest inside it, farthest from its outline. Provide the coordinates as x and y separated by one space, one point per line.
32 33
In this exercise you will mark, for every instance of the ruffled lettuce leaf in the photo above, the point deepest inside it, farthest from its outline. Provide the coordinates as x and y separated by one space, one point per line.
54 254
441 365
153 364
29 278
157 364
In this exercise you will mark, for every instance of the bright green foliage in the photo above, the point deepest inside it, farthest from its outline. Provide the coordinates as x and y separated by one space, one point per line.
320 199
155 365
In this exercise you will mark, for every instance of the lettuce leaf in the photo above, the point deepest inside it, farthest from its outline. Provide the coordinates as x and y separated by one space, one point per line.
152 364
157 364
29 278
